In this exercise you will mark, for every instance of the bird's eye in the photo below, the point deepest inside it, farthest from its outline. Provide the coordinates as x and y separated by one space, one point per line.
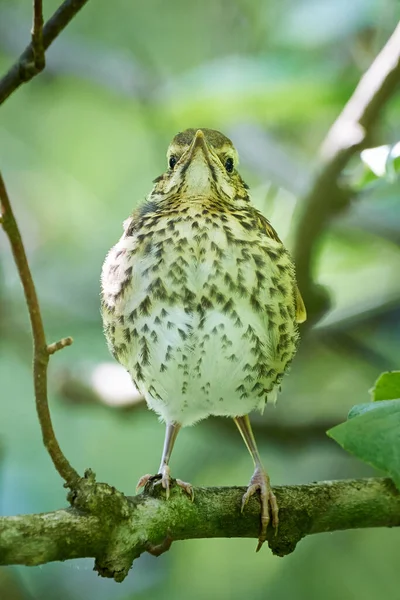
172 161
229 165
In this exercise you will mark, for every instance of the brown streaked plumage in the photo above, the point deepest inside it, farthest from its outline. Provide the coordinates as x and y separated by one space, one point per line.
200 302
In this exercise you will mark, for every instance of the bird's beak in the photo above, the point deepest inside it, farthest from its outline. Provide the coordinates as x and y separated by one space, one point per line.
197 168
199 144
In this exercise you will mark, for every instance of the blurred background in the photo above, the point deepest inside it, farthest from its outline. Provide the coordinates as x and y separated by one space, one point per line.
79 148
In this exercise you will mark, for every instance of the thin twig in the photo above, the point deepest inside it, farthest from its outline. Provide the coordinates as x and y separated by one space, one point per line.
56 346
37 36
350 132
26 67
40 349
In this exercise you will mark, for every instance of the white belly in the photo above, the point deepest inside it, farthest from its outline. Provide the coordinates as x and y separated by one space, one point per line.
201 332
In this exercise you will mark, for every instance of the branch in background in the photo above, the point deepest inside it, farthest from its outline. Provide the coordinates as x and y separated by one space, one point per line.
127 527
83 59
29 63
39 60
347 136
41 350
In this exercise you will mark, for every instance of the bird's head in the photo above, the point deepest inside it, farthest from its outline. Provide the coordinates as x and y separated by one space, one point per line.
202 163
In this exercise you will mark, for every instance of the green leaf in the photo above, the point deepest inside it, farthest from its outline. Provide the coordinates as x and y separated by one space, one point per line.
373 435
360 409
387 386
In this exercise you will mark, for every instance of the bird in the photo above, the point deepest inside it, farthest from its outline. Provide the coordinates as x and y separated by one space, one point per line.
200 303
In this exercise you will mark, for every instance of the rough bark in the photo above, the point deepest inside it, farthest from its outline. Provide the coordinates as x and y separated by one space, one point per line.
114 529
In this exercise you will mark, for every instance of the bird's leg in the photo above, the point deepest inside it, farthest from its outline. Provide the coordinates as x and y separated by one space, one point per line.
171 434
259 481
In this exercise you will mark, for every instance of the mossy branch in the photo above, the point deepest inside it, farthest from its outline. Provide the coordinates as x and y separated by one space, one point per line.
115 530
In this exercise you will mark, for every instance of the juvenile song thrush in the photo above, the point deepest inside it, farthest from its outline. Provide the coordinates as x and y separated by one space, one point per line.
200 302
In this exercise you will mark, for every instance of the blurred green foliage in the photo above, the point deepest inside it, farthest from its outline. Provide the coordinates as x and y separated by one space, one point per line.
79 147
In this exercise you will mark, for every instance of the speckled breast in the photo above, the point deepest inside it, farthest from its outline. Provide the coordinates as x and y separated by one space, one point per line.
198 305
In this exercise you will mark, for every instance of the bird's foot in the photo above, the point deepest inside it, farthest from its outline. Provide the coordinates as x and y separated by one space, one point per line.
269 506
164 478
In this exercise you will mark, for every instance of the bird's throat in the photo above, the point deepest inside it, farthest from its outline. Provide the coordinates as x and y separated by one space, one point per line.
198 177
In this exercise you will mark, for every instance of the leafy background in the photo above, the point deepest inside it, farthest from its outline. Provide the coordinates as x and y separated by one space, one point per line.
79 147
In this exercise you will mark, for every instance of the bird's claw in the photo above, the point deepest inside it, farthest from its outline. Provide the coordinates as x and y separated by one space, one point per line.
187 487
164 478
269 506
143 480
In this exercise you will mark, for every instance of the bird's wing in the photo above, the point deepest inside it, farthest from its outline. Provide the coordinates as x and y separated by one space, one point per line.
264 224
301 313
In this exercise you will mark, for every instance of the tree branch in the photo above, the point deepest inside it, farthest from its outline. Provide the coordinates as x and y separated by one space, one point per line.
37 36
120 529
41 351
327 196
31 62
56 346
